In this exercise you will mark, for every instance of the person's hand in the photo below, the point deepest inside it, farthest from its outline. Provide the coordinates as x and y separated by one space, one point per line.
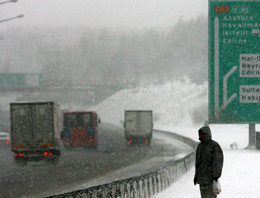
195 180
215 178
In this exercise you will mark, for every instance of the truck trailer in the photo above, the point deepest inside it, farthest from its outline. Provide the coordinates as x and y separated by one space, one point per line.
138 126
35 132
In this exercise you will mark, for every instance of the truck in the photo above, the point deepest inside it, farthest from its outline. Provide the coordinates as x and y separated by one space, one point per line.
35 132
80 129
138 126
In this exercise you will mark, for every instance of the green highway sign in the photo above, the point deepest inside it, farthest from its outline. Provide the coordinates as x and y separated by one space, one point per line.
234 61
21 80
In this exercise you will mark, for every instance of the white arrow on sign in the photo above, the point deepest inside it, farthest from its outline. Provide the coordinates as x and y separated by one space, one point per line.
226 100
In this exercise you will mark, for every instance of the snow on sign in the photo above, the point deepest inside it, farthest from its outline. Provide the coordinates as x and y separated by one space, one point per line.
234 61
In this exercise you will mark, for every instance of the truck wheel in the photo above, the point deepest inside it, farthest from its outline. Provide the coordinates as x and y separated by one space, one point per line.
129 144
53 161
93 147
67 148
148 142
20 162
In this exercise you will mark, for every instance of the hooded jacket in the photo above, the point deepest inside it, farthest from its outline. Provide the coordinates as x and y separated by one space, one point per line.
209 158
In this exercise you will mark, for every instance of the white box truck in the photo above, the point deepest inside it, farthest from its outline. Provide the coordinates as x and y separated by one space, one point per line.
138 126
35 131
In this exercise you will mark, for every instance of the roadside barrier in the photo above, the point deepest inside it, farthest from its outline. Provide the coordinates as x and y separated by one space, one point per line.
144 186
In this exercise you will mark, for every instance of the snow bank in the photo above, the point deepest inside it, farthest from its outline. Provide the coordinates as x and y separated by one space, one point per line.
174 103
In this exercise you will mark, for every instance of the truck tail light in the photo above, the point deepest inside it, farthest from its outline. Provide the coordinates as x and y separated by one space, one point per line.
19 146
47 145
18 154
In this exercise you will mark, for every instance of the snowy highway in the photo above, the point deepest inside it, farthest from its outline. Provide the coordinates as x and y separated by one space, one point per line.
81 168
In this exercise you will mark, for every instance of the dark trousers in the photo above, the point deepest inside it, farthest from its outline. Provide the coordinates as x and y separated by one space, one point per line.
207 191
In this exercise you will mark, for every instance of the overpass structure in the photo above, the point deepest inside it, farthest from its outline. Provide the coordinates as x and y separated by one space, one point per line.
68 97
64 88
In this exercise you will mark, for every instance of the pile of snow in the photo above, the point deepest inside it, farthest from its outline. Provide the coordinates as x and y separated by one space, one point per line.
174 103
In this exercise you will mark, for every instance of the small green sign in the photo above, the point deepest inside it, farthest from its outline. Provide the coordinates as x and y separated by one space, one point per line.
234 61
21 80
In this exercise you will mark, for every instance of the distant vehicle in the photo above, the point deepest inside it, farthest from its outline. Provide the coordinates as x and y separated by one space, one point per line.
138 126
4 140
80 129
35 132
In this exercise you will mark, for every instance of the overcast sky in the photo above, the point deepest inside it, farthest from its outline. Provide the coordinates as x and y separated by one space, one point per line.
101 13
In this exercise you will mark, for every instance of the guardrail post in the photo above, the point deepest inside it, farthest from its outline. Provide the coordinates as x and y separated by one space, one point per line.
159 186
169 177
146 188
104 192
164 179
128 187
172 175
132 190
151 186
122 190
83 195
113 191
135 189
178 171
94 194
184 168
155 184
140 188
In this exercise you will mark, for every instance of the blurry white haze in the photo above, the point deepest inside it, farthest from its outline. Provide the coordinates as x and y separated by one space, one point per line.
134 14
155 49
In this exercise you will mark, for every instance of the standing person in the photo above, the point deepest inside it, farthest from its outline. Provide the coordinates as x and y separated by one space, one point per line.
209 163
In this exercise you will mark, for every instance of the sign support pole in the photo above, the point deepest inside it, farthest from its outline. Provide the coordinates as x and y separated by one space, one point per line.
252 137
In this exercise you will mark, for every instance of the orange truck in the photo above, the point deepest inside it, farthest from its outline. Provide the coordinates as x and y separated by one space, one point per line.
80 129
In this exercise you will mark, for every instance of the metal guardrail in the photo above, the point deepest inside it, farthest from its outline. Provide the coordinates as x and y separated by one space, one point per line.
181 138
144 186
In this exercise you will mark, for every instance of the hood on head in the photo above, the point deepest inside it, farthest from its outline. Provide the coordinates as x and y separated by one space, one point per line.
204 134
